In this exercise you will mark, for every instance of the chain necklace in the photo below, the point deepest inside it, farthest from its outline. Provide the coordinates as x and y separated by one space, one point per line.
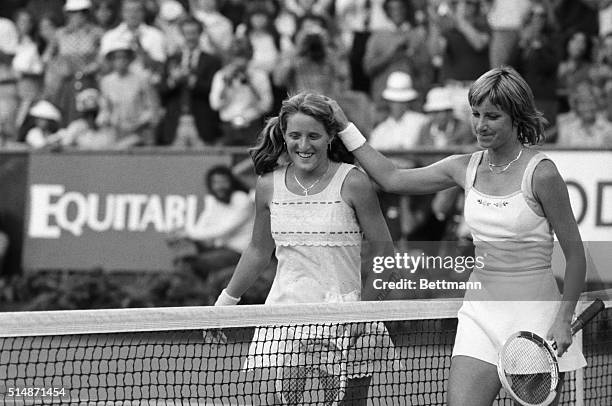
306 189
504 167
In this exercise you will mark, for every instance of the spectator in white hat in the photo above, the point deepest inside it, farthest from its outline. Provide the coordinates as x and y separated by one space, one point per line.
405 127
46 122
149 43
130 103
446 129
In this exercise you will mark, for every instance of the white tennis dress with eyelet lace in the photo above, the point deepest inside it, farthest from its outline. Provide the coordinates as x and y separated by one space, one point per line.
318 245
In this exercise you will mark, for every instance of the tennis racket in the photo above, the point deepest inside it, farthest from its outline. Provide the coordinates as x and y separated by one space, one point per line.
527 364
315 373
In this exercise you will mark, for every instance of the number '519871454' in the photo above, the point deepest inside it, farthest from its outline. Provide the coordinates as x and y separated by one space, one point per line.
34 392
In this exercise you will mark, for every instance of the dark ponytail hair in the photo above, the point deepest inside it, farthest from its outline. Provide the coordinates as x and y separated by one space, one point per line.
269 148
271 145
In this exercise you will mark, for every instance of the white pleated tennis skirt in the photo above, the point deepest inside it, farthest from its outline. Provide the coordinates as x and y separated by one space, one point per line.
509 301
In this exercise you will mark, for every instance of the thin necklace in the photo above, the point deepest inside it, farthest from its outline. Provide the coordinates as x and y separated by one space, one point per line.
504 167
306 189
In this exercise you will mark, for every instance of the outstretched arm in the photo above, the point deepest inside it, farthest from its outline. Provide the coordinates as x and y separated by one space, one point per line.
551 191
259 252
433 178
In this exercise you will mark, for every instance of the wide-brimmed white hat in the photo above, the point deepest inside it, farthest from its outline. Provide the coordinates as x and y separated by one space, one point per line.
46 110
77 5
399 88
439 99
123 43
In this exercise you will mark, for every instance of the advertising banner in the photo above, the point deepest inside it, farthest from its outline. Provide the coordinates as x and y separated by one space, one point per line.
588 175
110 210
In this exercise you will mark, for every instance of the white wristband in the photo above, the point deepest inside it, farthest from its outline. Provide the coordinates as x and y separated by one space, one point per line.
225 299
351 137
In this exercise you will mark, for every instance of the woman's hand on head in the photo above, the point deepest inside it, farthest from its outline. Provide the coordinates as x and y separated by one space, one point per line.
339 114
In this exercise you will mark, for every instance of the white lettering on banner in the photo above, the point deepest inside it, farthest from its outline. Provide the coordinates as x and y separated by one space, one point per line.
175 211
75 226
153 214
39 218
52 210
588 175
93 204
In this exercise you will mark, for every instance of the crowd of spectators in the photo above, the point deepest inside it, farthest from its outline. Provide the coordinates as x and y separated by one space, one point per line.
116 74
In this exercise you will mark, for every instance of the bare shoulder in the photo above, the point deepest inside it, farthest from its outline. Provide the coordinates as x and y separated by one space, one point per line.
458 161
545 172
456 166
264 188
546 179
356 180
357 186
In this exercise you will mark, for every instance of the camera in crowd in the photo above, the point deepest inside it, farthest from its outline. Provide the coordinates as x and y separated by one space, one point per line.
313 46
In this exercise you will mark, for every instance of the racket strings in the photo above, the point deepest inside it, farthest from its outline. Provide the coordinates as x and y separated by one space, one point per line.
314 384
530 370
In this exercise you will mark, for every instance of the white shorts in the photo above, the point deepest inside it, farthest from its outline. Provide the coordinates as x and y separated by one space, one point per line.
485 324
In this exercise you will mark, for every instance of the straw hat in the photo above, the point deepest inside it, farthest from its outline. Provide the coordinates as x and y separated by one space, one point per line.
44 109
77 5
438 99
399 88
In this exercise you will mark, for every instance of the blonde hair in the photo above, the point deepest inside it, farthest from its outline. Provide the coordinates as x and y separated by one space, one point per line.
505 88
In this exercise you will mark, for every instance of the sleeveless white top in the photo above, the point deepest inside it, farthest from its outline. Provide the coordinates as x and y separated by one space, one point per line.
318 244
318 247
519 291
509 232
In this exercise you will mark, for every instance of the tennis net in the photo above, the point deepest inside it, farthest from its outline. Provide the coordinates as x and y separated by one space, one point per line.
241 355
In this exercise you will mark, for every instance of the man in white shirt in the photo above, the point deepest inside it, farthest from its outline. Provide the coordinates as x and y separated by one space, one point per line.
149 42
224 229
404 128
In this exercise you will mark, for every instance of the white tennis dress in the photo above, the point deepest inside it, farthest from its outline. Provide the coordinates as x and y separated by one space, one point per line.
318 246
515 241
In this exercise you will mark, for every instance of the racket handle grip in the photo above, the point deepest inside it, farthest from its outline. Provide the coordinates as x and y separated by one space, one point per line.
586 316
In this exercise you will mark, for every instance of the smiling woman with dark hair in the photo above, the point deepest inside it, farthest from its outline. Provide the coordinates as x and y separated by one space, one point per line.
312 212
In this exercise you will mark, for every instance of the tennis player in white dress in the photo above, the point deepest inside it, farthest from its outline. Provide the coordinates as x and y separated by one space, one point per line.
312 212
515 200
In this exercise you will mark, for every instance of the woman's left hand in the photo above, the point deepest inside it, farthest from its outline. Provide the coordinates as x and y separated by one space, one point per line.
339 114
560 333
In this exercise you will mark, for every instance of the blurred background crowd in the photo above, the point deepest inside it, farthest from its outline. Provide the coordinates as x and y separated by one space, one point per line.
116 74
183 74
